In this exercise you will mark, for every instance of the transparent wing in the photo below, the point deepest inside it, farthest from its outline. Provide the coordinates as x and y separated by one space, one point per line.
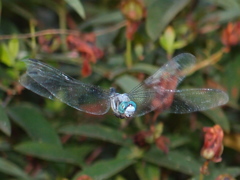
32 85
157 91
190 100
52 83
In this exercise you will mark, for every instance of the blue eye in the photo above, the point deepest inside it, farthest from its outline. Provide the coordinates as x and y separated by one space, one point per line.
123 106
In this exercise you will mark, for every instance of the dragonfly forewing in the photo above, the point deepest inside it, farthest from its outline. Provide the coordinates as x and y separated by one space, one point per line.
42 79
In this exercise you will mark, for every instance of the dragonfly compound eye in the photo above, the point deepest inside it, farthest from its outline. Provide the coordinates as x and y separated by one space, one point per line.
130 110
127 107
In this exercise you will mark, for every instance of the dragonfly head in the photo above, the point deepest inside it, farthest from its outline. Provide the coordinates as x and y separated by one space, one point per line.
127 108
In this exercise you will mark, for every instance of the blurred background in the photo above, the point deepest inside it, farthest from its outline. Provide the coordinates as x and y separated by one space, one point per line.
118 44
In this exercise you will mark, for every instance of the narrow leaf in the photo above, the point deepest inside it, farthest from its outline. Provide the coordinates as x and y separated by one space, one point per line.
106 18
98 132
32 121
147 171
174 160
5 125
126 82
160 14
177 140
105 169
9 168
51 152
77 6
217 115
144 68
232 69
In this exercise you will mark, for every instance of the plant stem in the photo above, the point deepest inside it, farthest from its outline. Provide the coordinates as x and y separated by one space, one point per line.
201 176
129 54
33 38
62 23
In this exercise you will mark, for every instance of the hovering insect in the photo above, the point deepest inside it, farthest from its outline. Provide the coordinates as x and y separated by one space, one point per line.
157 92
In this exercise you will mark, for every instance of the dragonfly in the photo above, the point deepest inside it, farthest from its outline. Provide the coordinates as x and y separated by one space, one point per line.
157 92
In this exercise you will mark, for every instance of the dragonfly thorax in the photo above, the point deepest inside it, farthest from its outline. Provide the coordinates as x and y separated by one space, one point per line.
122 105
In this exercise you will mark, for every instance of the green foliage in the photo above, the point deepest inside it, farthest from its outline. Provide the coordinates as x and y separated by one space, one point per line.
9 52
77 6
96 131
105 169
12 169
176 160
5 125
32 121
218 117
160 14
43 139
50 152
147 171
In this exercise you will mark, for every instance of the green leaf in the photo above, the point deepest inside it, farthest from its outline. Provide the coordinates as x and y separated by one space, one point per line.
126 82
217 115
105 169
106 40
175 160
97 132
130 152
147 171
13 46
178 140
160 14
5 125
226 4
9 168
229 11
51 152
167 40
231 79
106 18
144 68
32 121
5 55
139 50
77 6
179 44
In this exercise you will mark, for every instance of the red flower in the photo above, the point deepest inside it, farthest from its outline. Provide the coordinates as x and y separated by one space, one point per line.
213 147
231 34
85 45
86 68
